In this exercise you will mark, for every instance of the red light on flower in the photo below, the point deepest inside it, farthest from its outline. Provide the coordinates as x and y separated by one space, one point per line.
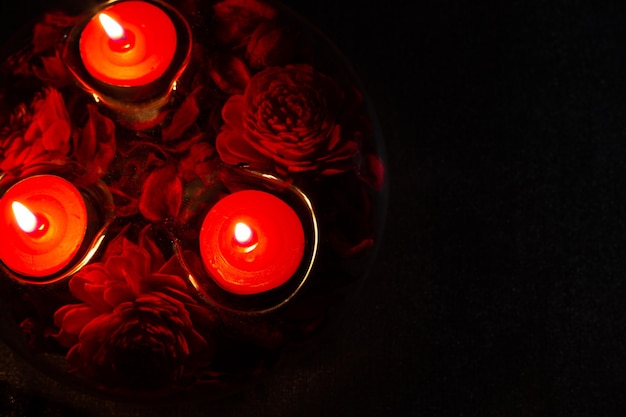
44 218
251 242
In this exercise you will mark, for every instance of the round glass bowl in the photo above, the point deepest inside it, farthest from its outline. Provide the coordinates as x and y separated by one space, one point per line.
186 189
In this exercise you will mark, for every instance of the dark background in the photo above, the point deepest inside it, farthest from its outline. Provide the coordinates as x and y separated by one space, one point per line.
499 287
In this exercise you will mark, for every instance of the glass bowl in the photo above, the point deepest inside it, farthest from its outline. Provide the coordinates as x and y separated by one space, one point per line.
182 201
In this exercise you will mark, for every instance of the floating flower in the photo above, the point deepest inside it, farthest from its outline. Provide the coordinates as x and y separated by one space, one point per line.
292 117
136 327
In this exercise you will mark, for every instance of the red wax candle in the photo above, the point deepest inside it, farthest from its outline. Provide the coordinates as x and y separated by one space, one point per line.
43 220
128 44
251 242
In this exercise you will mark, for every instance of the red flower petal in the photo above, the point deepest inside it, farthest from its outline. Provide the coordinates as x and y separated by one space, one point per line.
154 254
130 269
162 194
288 117
52 109
374 173
53 72
97 329
184 117
88 285
232 147
94 146
249 8
47 33
61 312
269 45
199 163
229 73
117 245
157 281
117 293
236 19
56 136
233 109
74 319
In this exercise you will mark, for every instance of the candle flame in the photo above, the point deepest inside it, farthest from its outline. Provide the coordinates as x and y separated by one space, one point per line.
113 29
243 233
26 219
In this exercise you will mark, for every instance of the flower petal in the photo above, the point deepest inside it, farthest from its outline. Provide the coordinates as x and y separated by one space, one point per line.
162 194
76 318
184 117
56 136
117 293
229 73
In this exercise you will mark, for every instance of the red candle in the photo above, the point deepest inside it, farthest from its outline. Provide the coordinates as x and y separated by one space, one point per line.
128 44
43 220
251 241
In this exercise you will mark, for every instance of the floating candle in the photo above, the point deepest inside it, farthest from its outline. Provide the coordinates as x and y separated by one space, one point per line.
43 221
251 242
128 44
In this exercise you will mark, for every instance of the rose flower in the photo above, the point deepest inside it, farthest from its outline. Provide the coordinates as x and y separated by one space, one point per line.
293 118
137 327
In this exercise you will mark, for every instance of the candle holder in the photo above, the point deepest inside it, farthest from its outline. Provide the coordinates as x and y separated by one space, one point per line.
34 258
188 245
218 205
145 82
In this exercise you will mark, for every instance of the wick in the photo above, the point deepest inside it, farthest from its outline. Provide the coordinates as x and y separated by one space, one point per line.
123 44
120 40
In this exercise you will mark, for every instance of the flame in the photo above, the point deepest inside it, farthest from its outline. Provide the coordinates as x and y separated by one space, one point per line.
113 29
26 219
243 233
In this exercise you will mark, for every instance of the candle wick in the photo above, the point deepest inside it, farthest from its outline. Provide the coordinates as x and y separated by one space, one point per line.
120 39
123 44
41 228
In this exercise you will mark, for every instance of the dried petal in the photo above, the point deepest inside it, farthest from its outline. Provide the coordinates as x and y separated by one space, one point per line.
184 117
162 194
229 73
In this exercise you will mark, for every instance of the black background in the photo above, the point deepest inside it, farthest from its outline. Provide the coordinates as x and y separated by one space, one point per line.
499 287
